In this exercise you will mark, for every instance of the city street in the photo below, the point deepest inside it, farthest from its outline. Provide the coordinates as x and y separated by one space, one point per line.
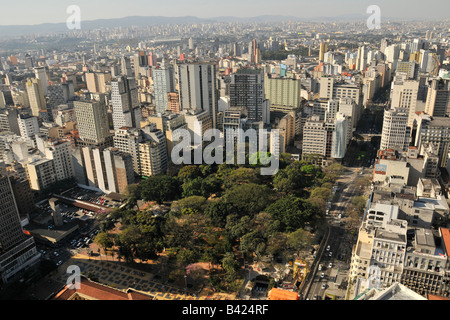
329 276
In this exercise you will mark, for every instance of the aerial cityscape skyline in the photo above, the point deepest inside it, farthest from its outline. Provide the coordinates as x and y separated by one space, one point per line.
201 151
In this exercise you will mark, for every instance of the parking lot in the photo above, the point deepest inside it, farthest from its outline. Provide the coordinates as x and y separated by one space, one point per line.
98 198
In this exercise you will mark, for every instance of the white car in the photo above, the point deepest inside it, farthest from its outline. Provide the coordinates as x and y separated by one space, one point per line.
328 248
322 275
324 286
330 254
330 265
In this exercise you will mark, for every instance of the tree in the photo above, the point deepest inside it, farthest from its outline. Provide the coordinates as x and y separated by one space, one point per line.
299 239
189 172
160 188
290 211
104 240
248 199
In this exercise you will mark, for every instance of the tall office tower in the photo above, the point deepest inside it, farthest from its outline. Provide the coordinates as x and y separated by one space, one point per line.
97 81
236 49
92 120
56 97
404 96
17 250
163 82
396 133
168 123
392 53
347 106
8 120
198 88
362 58
125 67
41 173
152 59
417 45
127 140
191 44
126 110
438 98
254 52
314 136
41 74
106 169
322 50
340 137
28 127
408 67
36 96
153 152
28 61
284 94
60 152
435 131
247 93
384 44
140 59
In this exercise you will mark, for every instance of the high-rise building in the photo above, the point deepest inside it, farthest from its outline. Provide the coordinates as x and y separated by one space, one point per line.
127 140
17 250
362 59
404 95
396 132
153 152
41 74
28 127
284 94
126 110
435 131
92 120
438 98
36 96
247 93
163 82
197 88
322 50
60 152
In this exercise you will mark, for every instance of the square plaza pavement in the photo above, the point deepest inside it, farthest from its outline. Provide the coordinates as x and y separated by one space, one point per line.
120 276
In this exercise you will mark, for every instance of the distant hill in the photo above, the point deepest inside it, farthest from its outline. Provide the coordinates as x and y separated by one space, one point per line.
142 21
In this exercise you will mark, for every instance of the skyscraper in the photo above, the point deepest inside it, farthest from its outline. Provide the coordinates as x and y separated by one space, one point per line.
41 74
17 250
197 87
126 110
396 133
438 98
247 93
322 50
36 96
163 82
92 119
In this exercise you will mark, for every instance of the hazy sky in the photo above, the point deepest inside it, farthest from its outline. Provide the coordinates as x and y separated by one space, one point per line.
28 12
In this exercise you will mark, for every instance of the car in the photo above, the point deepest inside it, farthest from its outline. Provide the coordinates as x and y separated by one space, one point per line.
320 267
59 263
322 275
330 265
330 254
328 248
324 286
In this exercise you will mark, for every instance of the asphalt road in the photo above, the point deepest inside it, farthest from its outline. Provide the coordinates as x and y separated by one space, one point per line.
336 248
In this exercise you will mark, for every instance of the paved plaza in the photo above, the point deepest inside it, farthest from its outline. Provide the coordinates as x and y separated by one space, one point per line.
120 276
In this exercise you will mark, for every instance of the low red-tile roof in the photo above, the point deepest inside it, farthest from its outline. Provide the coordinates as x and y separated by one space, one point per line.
96 291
